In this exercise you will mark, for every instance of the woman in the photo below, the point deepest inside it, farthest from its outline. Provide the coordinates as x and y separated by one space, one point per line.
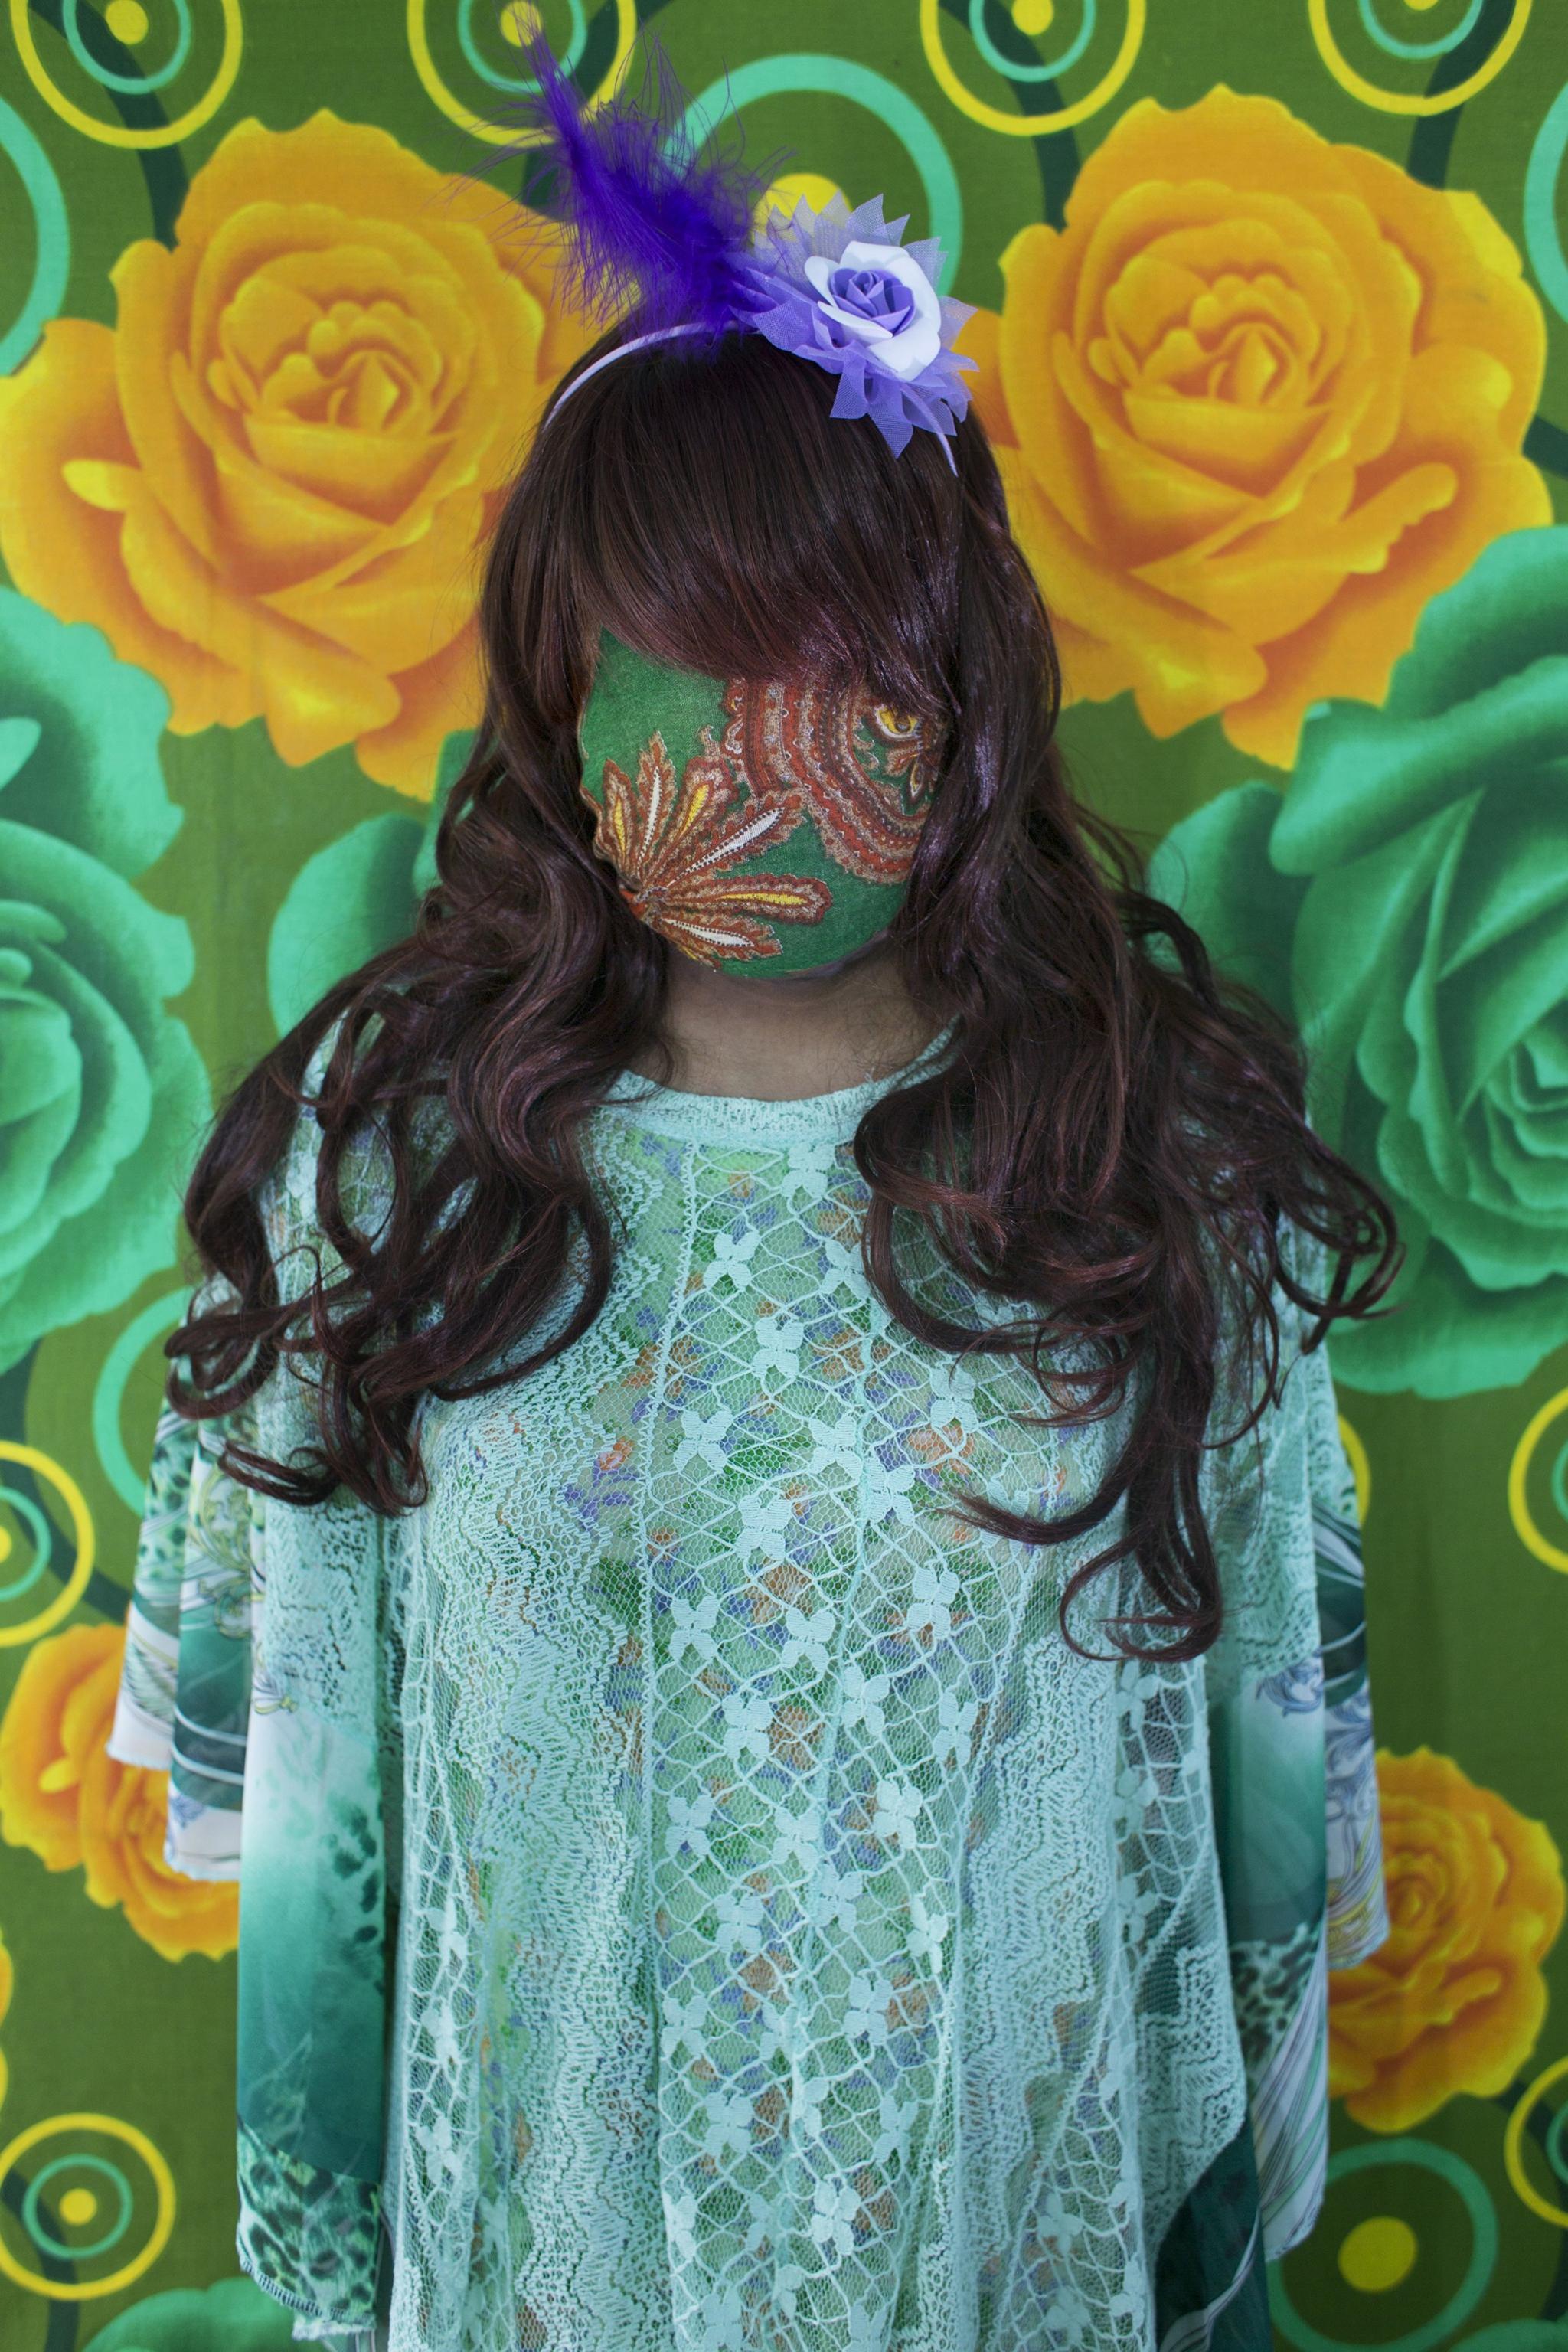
753 1498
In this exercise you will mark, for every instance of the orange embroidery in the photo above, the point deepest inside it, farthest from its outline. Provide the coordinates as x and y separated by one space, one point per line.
675 849
863 772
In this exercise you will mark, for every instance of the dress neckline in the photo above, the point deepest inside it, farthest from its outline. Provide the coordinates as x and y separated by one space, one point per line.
748 1119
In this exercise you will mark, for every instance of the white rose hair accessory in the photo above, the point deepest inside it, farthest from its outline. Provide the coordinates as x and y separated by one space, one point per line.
661 236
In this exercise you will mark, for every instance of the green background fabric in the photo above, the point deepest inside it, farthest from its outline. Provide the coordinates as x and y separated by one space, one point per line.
1273 326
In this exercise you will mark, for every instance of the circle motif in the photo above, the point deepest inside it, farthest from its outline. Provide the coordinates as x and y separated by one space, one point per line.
496 135
120 134
128 25
37 1525
51 230
792 189
1378 2253
1390 101
512 30
1395 47
109 1392
1361 1467
71 1592
1468 2185
75 2200
980 35
1519 1510
1543 240
1513 2147
89 2290
844 78
1556 2132
1029 126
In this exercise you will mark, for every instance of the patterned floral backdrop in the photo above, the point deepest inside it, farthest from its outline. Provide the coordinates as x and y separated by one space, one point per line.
1273 336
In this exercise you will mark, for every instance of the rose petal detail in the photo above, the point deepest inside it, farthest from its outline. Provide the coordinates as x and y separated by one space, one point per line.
1275 380
268 485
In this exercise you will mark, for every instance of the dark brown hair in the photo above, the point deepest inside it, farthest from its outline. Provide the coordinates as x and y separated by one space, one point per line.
1113 1140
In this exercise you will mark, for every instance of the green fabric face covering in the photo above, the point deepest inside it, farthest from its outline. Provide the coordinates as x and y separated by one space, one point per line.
759 827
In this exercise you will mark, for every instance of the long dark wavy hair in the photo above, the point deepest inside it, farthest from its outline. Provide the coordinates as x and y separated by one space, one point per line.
1112 1141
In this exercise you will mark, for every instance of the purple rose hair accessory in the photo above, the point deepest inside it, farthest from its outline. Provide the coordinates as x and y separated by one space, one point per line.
848 296
659 234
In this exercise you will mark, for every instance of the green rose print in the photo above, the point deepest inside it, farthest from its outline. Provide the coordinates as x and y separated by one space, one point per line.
235 2316
1406 901
105 1095
356 897
1518 2336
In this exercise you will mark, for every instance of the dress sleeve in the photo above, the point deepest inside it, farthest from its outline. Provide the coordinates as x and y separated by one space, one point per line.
1291 1749
253 1673
184 1701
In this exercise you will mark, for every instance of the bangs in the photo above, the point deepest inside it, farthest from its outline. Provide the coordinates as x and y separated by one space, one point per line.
724 521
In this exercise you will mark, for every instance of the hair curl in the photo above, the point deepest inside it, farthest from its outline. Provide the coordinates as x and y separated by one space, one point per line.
1113 1141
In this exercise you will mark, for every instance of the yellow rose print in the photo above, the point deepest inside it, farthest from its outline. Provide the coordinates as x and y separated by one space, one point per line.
1256 402
1455 2000
266 483
68 1800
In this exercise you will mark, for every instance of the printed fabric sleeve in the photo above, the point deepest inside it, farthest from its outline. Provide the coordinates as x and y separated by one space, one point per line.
1292 1754
253 1673
184 1701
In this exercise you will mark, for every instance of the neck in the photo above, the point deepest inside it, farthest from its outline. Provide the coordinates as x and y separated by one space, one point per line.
803 1033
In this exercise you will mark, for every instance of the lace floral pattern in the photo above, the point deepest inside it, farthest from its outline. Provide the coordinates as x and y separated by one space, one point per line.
770 1936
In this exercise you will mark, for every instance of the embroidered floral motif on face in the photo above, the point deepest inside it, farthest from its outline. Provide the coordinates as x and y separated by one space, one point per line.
675 849
841 776
860 771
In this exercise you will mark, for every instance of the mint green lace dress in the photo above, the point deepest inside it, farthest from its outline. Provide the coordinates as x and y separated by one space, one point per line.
692 1898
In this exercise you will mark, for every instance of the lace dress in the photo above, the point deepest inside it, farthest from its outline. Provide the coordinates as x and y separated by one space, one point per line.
693 1898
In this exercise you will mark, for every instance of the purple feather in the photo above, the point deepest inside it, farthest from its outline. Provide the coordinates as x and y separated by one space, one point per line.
655 225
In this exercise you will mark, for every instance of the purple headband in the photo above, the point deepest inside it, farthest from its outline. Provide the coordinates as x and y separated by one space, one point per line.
665 232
